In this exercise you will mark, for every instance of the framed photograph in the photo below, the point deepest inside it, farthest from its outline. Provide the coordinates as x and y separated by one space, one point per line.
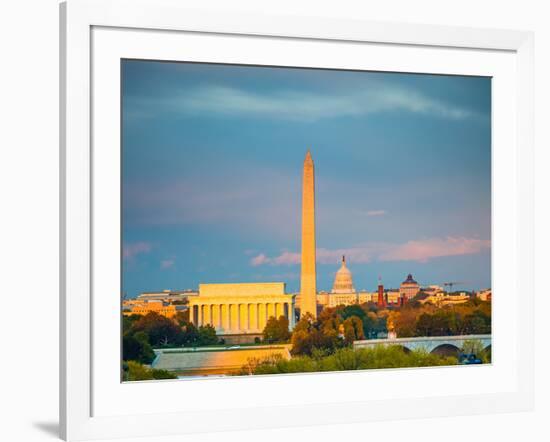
288 221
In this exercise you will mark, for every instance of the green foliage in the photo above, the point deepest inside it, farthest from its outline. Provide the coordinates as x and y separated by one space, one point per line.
182 317
190 335
304 343
162 374
414 319
128 322
142 333
137 348
472 346
353 310
276 330
353 329
161 330
134 371
336 327
347 359
207 335
475 346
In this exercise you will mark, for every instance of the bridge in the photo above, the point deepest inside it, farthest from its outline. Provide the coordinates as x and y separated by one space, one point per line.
444 345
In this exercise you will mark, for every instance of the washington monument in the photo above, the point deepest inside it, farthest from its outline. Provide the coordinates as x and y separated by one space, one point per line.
308 279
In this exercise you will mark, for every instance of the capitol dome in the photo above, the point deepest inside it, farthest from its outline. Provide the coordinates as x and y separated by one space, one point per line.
343 282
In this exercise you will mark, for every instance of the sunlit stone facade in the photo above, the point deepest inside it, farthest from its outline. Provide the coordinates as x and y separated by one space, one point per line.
242 308
343 292
409 288
139 307
308 277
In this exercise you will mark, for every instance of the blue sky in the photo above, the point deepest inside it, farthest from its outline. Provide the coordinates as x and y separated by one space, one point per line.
212 162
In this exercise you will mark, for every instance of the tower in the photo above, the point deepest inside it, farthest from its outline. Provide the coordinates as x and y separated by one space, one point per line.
308 279
381 300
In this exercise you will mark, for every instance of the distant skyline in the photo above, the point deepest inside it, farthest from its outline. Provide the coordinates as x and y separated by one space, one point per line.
212 162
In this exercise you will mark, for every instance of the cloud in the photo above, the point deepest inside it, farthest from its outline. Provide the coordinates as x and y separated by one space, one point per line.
417 250
424 250
167 264
376 212
259 260
225 199
131 250
297 105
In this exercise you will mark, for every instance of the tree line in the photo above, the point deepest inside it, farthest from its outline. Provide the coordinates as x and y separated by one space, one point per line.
470 318
346 359
140 334
333 330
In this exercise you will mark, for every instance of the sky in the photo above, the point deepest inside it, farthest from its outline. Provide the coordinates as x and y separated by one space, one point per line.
212 167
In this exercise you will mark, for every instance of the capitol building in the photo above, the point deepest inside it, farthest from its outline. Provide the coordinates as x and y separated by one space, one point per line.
343 291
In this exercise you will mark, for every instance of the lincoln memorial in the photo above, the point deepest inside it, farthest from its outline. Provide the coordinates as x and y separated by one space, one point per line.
241 309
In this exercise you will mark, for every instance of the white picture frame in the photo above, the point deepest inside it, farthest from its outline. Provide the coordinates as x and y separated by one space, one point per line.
80 378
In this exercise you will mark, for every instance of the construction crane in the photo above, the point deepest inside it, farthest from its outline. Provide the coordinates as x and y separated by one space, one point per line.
451 283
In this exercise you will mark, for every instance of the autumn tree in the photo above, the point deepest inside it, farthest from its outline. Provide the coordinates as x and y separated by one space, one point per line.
353 329
276 330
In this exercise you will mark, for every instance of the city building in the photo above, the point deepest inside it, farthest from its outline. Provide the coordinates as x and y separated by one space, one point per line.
343 292
432 289
167 296
484 295
239 312
140 307
363 297
392 297
408 289
442 298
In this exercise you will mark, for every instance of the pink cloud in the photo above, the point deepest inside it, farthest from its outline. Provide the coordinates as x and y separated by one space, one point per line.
376 212
167 264
285 258
416 250
259 260
423 250
130 251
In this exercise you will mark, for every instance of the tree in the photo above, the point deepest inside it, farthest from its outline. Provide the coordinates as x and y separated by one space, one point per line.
128 322
353 329
207 335
477 322
424 325
182 317
353 310
306 322
190 337
475 346
404 322
161 330
137 348
472 346
305 343
276 330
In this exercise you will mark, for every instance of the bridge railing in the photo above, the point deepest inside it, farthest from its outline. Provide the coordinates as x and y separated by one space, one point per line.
486 339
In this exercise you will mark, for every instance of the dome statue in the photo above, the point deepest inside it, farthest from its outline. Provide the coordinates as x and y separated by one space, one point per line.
343 282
